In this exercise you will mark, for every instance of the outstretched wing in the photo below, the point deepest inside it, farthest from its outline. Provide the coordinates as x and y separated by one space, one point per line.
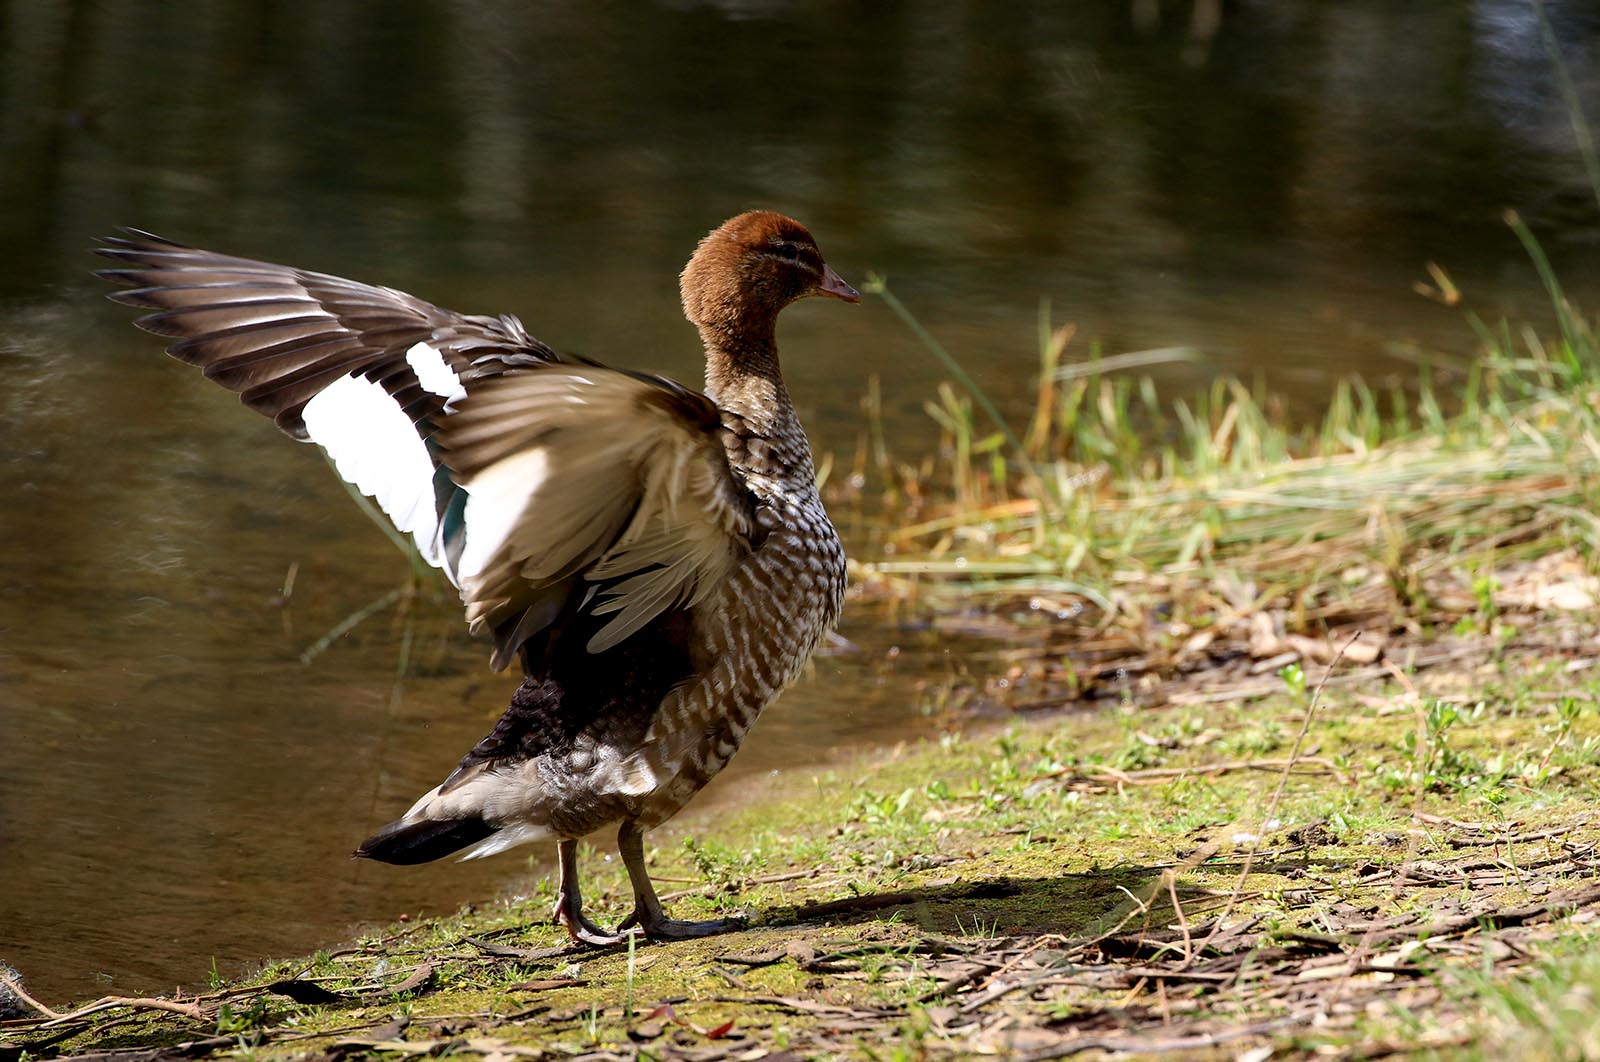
363 371
542 486
585 480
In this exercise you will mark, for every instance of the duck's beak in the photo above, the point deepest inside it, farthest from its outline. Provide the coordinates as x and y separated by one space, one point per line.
833 284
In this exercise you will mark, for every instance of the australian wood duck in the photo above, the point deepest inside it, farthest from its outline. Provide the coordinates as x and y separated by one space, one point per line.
657 558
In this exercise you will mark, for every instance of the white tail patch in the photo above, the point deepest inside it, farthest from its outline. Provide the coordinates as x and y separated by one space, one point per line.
506 837
494 796
375 447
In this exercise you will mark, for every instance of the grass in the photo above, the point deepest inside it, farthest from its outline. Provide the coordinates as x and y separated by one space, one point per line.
1546 1014
1114 880
1112 498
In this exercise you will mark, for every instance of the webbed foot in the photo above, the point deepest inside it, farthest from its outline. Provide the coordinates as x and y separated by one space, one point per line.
663 928
647 914
583 931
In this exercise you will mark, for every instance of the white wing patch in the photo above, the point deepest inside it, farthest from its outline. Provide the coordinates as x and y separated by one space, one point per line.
433 374
495 504
595 475
375 448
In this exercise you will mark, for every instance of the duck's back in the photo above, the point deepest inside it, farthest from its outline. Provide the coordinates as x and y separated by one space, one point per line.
757 633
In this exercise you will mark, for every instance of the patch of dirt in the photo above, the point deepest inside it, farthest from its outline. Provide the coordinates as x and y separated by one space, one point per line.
1065 651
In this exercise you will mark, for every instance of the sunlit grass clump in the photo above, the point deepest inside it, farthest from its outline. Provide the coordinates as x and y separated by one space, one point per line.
1112 494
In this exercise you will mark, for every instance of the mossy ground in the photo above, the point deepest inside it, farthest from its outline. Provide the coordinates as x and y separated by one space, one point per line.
1414 873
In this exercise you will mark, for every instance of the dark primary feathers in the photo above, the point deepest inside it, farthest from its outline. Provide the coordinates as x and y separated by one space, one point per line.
276 335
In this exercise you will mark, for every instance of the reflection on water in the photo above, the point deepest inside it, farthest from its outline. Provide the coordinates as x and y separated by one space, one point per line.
1262 182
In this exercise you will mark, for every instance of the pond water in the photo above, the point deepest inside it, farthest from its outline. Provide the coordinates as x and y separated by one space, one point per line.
1261 182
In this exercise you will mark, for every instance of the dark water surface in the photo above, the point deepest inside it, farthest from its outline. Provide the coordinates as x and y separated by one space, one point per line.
1261 182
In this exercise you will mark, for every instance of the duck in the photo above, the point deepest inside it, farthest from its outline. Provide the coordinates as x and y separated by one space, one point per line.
656 559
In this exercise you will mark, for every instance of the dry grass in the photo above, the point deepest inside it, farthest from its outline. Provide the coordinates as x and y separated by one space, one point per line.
1149 523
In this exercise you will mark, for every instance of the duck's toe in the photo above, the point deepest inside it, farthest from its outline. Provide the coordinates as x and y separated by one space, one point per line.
583 931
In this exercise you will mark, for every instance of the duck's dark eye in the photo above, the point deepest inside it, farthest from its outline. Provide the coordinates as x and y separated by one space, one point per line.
789 251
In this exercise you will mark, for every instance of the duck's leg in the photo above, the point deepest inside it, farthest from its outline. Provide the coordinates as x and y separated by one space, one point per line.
647 913
569 902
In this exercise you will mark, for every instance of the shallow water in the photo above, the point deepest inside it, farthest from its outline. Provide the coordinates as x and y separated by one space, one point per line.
174 783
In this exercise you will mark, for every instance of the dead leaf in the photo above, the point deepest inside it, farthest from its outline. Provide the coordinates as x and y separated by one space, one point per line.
548 984
405 1047
648 1030
1264 639
392 1031
505 951
800 951
1273 663
757 958
1324 973
305 992
1366 649
418 980
1314 649
1569 596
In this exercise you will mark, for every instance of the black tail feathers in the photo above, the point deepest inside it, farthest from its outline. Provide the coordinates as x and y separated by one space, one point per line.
406 844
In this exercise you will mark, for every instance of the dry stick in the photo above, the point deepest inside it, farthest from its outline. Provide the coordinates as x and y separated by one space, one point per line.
1272 805
1355 963
188 1010
1518 838
1183 922
1190 1042
996 991
990 977
1425 659
1204 853
1158 775
17 990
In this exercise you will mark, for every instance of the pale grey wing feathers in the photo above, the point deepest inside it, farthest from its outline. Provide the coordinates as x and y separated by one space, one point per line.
611 485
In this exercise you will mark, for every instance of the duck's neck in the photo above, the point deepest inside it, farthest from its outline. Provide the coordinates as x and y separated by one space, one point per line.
742 374
743 379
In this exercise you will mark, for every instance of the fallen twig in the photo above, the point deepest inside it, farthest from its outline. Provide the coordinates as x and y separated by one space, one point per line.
187 1010
1111 777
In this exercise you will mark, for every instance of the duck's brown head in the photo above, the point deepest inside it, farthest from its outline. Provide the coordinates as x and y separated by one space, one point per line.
748 269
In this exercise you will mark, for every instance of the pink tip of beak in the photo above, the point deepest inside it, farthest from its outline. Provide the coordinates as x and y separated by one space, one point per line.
833 284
